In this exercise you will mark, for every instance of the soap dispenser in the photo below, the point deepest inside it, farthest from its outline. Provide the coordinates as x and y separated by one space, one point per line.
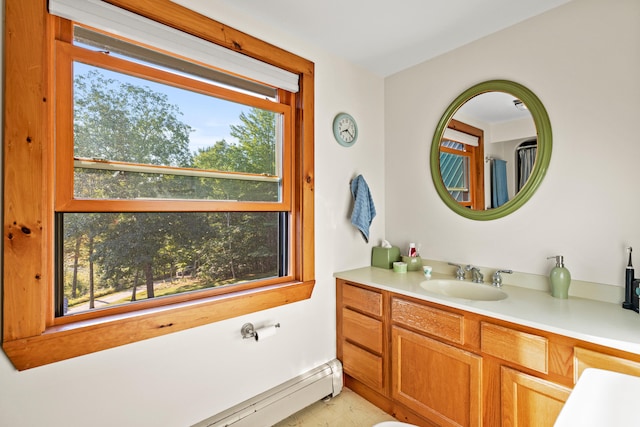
560 278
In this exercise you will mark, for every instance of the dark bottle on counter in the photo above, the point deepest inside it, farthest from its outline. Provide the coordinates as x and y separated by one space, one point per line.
631 301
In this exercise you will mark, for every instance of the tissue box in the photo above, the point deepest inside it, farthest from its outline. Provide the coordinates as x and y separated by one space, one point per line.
384 257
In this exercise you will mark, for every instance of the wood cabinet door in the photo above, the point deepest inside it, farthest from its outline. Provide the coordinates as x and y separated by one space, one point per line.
438 381
528 401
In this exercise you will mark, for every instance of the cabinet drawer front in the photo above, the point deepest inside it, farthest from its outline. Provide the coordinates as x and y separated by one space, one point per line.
427 319
584 359
362 365
525 349
362 299
361 329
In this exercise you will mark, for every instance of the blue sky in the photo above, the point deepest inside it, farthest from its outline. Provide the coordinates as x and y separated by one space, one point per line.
208 116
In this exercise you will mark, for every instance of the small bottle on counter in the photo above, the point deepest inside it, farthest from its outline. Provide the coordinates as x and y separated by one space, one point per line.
560 278
412 250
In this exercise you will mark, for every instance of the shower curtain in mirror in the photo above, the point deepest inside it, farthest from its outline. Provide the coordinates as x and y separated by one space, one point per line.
526 160
499 193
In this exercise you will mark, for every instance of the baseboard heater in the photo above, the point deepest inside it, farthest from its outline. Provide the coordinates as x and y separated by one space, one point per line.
282 401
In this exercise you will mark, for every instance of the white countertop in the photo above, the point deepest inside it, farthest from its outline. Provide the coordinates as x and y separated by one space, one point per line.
584 319
601 398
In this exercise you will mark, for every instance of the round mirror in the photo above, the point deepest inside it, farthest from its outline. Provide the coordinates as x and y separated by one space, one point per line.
491 149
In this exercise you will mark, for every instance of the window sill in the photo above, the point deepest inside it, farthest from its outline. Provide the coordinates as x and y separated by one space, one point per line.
89 336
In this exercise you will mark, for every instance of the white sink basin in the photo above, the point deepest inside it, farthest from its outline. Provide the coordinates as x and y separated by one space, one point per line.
464 290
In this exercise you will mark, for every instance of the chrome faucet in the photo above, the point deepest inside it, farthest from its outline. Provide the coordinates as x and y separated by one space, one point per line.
459 271
476 275
496 279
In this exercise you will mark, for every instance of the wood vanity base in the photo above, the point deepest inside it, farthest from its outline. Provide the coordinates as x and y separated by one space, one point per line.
432 365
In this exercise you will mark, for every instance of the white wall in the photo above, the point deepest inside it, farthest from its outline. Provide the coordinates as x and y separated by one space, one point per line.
582 61
182 378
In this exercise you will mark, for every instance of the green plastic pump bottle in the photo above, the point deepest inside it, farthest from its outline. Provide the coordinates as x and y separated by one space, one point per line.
560 278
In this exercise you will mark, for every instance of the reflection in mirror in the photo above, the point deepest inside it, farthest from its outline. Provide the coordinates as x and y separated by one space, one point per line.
461 153
491 150
488 150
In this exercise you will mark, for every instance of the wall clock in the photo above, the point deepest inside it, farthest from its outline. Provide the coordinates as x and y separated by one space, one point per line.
345 129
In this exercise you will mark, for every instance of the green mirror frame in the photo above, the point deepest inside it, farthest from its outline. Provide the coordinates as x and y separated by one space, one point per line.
543 154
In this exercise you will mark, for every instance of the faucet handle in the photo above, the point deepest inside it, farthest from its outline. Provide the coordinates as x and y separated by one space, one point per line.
459 271
496 279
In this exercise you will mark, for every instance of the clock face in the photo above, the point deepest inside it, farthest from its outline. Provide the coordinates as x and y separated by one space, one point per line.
345 129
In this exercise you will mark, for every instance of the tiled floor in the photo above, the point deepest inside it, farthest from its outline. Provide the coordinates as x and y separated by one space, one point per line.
345 410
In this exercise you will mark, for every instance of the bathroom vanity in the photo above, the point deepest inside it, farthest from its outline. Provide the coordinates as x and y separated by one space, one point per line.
433 360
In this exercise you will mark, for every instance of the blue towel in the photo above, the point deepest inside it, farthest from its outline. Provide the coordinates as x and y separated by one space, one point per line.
363 208
499 194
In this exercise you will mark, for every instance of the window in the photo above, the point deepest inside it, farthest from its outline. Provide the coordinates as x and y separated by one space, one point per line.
455 170
144 224
140 133
461 153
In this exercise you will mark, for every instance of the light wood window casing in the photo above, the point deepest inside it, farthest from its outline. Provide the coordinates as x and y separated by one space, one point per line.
31 336
474 157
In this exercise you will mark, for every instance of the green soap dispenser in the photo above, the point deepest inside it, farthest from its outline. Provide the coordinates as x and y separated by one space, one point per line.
560 278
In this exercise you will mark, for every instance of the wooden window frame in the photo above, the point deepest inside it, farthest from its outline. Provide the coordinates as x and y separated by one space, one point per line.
476 167
66 53
30 336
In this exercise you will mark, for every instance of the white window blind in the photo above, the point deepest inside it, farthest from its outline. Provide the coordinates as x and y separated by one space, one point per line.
464 138
112 19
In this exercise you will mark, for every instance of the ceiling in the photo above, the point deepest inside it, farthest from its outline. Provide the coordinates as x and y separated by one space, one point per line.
491 108
382 36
